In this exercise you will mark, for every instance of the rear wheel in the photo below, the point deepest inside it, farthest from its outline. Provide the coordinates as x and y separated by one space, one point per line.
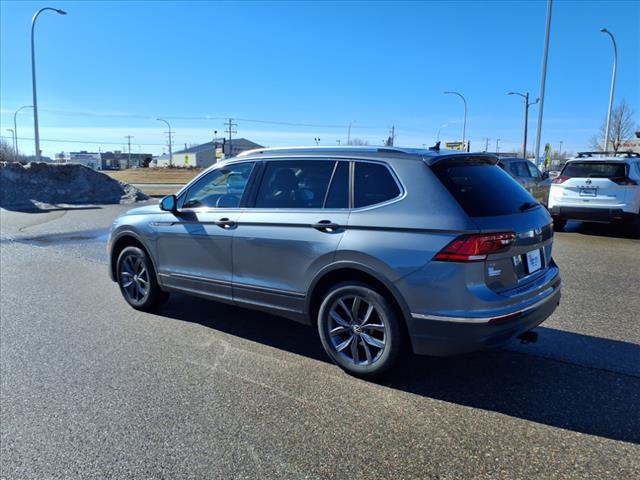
137 280
359 330
559 224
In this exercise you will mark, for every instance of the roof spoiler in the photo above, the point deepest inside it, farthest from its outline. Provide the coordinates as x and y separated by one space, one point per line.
628 154
463 158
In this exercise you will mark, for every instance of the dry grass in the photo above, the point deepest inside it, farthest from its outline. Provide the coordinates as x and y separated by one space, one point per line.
154 175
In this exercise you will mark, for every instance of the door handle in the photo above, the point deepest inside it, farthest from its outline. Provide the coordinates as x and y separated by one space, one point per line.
326 226
225 223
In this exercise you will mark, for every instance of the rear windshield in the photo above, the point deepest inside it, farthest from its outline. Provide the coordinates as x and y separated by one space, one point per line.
595 169
483 189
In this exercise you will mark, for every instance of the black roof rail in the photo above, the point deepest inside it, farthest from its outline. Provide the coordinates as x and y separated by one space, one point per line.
628 154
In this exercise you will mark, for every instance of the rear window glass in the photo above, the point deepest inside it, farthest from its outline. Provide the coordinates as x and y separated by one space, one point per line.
595 169
482 189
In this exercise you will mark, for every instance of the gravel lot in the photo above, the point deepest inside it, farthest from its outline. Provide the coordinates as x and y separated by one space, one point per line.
93 389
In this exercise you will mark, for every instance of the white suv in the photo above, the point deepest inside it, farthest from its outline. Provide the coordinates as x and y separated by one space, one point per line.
597 187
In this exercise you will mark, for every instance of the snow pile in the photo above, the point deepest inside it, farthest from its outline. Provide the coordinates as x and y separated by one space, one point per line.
41 184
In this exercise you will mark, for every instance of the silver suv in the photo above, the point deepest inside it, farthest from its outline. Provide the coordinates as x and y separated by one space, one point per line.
383 250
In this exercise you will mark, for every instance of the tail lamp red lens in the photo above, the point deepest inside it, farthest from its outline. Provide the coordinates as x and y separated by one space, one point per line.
560 179
623 181
476 247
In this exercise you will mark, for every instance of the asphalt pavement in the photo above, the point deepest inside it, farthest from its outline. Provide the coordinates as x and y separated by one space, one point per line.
90 388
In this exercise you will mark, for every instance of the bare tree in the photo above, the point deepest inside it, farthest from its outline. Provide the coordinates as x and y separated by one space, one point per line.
6 151
358 141
621 128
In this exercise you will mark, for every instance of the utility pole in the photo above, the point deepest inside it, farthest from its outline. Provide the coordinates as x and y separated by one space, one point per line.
392 137
230 131
560 151
497 145
486 144
129 137
526 118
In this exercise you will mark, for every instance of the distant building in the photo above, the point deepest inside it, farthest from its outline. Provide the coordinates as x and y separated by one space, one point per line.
88 159
105 160
204 155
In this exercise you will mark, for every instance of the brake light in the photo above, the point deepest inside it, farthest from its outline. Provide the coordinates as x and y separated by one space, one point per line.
623 181
476 247
560 179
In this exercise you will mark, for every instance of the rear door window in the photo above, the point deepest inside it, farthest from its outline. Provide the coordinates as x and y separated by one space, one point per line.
373 183
295 184
338 194
482 189
595 169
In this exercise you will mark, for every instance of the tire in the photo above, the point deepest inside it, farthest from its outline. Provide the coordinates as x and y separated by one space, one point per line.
559 224
366 345
137 280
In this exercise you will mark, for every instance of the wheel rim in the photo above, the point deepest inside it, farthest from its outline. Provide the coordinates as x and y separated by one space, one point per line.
134 278
357 331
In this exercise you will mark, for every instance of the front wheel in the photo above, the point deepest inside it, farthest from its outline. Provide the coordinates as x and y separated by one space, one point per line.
359 330
137 280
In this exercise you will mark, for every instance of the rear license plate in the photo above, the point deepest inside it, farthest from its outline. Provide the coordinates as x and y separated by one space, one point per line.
588 192
534 261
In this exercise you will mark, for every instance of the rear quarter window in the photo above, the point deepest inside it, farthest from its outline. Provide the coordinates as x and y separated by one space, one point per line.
373 183
482 189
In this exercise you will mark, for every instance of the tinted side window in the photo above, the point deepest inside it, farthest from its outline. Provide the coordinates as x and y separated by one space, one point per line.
338 195
373 183
294 184
222 188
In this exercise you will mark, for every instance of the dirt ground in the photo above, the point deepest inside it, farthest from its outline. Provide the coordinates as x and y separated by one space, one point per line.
154 175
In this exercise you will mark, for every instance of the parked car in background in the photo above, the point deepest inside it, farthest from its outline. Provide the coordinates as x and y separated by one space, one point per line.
528 175
597 187
382 250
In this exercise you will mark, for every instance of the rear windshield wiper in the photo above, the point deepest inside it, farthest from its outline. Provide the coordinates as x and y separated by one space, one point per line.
527 206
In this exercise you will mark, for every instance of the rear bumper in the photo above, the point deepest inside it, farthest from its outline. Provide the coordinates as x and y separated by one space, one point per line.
594 214
443 336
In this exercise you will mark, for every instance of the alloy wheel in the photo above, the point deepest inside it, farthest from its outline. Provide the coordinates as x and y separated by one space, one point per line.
357 331
134 278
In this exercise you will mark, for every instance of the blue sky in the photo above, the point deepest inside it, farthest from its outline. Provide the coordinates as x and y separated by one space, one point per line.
325 64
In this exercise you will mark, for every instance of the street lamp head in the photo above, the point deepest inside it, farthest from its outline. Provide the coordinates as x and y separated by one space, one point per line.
511 93
61 12
604 30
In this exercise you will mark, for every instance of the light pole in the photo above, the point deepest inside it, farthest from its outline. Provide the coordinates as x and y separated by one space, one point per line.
170 147
33 76
349 132
13 136
497 145
15 125
464 125
543 79
560 151
526 118
613 84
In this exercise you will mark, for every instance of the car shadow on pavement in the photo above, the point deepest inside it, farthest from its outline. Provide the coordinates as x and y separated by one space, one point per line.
550 391
601 230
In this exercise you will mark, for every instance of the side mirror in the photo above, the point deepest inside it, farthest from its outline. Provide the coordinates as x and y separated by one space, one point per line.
169 203
545 175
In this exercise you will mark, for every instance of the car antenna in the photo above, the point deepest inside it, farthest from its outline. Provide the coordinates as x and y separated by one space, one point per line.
436 147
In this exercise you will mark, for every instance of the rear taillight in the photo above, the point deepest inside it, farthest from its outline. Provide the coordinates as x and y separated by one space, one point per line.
473 248
623 181
560 179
